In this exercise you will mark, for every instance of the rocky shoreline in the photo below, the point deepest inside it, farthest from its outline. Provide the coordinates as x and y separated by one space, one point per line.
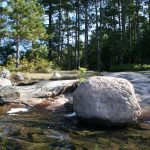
53 95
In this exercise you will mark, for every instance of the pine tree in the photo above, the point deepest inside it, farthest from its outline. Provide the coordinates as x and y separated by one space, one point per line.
25 22
2 20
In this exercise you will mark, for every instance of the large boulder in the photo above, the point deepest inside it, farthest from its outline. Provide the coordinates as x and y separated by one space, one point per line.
106 100
8 94
5 82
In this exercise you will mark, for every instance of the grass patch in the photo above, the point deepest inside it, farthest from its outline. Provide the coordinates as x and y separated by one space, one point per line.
130 67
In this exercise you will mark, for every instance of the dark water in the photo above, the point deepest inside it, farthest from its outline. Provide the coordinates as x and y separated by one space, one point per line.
43 130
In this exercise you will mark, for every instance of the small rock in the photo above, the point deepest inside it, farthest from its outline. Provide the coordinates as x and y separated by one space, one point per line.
5 74
56 75
18 77
5 82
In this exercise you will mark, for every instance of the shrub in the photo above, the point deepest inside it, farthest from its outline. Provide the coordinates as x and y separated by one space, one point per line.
43 65
39 65
81 74
11 64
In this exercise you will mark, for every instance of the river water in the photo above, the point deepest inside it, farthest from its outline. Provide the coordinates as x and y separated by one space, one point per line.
39 129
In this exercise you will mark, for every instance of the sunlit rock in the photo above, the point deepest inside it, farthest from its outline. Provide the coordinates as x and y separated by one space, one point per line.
5 82
8 94
5 74
106 99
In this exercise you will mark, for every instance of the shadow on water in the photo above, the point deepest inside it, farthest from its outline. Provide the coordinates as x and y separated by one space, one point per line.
37 130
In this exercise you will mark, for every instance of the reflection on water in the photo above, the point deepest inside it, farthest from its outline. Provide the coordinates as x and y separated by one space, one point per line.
42 130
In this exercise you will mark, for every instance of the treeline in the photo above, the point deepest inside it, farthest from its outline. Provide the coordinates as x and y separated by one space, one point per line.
95 34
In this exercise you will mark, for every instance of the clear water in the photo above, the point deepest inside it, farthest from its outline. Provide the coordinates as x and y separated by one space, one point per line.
43 130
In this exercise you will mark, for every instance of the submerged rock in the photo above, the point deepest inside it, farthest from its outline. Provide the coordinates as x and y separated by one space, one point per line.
107 100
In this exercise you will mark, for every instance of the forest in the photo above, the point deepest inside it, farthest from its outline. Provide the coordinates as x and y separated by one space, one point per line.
94 34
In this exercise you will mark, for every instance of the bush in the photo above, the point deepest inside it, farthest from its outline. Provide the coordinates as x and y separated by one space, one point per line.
39 65
81 74
42 65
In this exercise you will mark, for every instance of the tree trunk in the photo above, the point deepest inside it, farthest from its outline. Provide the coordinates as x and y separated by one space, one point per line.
68 49
59 46
123 20
17 53
78 38
137 3
97 36
149 13
86 35
49 26
130 31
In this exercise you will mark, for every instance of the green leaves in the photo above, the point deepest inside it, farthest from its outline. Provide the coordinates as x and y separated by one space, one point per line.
26 19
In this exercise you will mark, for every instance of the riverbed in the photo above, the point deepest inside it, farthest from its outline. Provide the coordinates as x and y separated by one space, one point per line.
40 129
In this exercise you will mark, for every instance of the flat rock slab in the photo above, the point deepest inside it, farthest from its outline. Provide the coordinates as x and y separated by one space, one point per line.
46 93
141 83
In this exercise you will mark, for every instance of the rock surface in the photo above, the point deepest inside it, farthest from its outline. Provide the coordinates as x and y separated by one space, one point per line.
9 94
18 77
106 99
5 82
46 94
5 74
141 83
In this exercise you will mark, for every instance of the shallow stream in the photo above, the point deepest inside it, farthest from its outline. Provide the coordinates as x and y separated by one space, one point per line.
43 130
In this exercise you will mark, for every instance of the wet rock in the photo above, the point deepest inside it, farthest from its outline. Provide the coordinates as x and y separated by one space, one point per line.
46 94
39 146
69 106
5 82
27 132
106 100
8 94
39 138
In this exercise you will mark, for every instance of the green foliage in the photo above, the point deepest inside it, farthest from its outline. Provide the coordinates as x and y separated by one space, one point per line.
39 65
81 74
25 23
38 51
26 19
11 64
6 51
130 67
43 65
121 37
